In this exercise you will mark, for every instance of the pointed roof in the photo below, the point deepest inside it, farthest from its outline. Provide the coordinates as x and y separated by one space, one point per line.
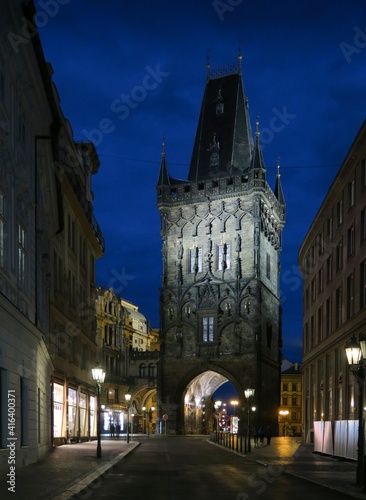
164 179
278 188
257 160
223 144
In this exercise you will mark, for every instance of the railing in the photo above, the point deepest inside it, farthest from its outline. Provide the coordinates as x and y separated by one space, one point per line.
228 440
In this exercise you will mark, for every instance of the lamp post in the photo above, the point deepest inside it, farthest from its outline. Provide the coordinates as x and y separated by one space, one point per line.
249 393
150 418
128 399
217 405
356 357
98 376
144 418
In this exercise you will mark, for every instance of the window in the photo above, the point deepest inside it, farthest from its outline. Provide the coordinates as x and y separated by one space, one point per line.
320 323
268 266
223 257
339 256
351 241
320 241
22 255
351 194
328 316
284 401
363 225
152 370
339 306
196 260
329 269
339 213
330 228
285 387
294 402
363 173
208 329
350 296
363 284
2 230
143 371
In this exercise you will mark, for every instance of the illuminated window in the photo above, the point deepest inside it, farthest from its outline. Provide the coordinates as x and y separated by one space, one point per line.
196 260
208 329
223 257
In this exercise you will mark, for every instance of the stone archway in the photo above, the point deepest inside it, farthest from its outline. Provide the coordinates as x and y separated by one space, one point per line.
197 400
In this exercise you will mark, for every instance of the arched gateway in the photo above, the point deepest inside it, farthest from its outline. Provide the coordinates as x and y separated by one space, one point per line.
221 231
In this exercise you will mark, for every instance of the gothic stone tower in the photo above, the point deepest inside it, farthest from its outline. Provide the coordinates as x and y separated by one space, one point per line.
220 301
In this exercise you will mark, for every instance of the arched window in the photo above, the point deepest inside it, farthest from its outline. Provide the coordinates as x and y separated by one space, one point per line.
143 370
152 370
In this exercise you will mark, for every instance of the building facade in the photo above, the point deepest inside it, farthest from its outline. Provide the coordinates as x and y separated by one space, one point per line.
290 411
49 241
125 343
221 232
332 260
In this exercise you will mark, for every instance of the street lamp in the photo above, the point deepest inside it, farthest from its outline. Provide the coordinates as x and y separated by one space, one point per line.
284 413
144 418
356 357
98 376
249 393
235 404
150 418
128 399
217 405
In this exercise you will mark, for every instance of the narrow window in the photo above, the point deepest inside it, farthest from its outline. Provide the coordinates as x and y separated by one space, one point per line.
208 329
196 260
22 254
223 257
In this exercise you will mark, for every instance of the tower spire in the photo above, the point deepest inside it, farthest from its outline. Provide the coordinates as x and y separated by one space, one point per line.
164 179
278 192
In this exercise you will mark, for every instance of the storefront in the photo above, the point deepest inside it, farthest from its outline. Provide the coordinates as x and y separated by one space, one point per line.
74 414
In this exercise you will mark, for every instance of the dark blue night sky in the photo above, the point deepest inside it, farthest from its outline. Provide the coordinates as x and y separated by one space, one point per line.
129 73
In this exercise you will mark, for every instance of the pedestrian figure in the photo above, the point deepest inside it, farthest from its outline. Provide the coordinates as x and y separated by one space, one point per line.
111 428
261 434
269 435
118 429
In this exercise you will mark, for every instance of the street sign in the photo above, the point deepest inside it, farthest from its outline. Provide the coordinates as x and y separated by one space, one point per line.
165 417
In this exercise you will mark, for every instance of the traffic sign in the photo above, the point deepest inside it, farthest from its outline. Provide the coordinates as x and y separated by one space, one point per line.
216 414
165 417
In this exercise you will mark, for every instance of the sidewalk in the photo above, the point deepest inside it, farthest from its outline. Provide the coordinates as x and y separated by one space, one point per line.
67 470
298 459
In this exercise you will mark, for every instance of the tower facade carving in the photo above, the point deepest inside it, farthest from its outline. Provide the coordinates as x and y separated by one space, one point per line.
221 235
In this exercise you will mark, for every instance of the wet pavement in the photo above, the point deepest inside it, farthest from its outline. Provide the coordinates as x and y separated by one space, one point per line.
74 471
